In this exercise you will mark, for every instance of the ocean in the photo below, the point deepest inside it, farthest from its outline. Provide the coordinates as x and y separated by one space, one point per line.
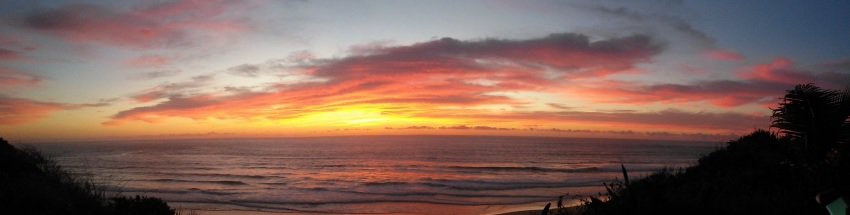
367 174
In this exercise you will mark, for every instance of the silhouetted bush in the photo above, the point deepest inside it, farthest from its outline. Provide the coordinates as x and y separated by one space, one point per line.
760 173
33 184
140 206
752 175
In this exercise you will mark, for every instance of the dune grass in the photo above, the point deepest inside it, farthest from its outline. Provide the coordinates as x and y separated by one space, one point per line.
763 172
33 184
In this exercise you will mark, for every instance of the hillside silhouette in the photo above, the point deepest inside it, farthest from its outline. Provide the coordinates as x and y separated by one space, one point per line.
764 172
33 184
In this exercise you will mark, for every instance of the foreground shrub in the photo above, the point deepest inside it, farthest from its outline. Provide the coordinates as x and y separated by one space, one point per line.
33 184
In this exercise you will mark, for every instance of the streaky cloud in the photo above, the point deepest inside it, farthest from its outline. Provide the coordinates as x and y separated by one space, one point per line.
435 74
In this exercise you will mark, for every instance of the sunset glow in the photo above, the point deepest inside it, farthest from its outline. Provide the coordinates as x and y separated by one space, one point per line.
174 69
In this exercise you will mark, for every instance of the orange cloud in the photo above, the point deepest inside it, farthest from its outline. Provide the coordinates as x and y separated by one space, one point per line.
19 111
670 118
434 75
450 82
724 55
596 133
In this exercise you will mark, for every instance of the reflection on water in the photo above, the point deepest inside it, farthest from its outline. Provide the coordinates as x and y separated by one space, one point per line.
391 174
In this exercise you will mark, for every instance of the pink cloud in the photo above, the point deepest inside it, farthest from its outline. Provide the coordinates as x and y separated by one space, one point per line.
13 48
147 61
6 54
172 89
429 75
442 79
759 84
10 78
718 93
781 70
166 24
573 54
723 55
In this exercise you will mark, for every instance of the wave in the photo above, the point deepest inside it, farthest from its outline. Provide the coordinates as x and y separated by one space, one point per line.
224 182
168 191
289 176
385 183
225 175
141 166
525 169
191 174
431 194
275 183
478 185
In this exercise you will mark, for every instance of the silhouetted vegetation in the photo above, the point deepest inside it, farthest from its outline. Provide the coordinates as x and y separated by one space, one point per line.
33 184
759 173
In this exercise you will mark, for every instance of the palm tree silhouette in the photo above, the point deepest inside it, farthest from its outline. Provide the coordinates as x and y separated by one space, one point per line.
815 117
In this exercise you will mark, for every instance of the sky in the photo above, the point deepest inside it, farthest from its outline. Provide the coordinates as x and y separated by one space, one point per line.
653 69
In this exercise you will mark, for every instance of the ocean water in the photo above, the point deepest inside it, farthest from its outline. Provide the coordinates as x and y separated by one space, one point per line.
367 175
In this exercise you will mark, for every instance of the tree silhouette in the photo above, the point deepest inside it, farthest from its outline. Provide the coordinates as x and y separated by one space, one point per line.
816 118
759 173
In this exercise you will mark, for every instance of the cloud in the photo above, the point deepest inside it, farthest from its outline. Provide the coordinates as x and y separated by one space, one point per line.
87 105
688 29
10 78
781 70
245 70
175 104
12 48
438 74
651 19
654 134
455 79
20 111
15 111
6 54
759 84
573 55
479 127
674 118
457 127
147 61
157 74
172 89
669 118
723 55
725 93
167 24
559 106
